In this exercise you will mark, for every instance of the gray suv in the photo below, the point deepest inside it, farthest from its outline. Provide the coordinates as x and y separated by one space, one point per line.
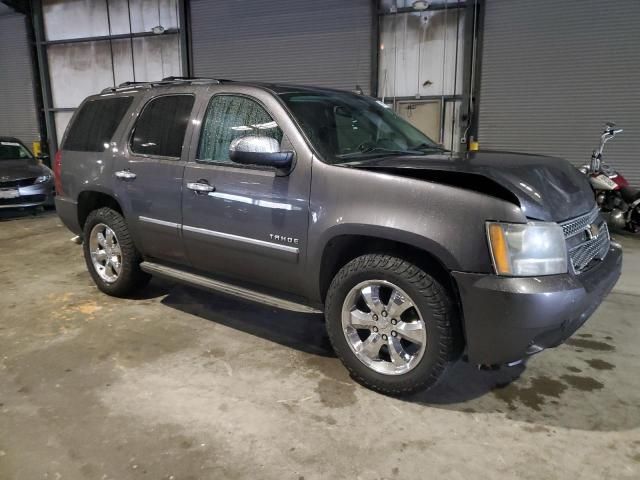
309 198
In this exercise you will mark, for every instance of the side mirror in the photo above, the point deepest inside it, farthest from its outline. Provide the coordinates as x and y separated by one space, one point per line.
255 150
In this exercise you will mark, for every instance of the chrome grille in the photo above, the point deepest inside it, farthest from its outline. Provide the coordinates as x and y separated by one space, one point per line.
583 247
578 225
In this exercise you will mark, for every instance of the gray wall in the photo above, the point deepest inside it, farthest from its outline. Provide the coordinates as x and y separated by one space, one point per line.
554 72
326 43
18 118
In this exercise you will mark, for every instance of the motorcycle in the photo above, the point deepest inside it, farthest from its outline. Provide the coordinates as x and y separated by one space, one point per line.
614 196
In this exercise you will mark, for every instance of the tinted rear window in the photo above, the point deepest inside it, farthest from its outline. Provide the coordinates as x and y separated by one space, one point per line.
95 124
161 126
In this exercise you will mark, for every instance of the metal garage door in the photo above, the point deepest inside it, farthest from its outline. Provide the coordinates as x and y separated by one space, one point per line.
18 118
326 43
554 72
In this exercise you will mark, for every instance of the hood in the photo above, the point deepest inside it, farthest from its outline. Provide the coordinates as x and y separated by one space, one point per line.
19 169
547 188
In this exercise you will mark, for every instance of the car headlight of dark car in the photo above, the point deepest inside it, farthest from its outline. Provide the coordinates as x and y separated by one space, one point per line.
43 178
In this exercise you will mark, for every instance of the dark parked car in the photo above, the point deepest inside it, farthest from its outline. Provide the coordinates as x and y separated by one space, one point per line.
304 197
24 181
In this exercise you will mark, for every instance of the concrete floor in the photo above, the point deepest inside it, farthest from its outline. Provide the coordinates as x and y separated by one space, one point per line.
179 384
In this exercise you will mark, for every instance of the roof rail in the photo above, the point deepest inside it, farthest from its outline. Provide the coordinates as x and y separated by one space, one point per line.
165 81
189 79
125 86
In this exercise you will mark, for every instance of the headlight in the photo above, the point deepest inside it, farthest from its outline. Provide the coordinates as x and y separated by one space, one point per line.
527 250
43 178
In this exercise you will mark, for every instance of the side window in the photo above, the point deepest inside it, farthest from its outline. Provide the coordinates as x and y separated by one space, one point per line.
161 126
229 117
13 151
95 124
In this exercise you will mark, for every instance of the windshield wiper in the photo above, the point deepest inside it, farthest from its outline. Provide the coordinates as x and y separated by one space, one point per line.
370 150
428 146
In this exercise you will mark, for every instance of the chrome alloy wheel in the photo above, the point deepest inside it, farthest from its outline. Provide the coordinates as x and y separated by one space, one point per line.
383 327
106 254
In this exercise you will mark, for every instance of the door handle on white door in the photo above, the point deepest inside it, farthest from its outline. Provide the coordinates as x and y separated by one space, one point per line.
200 187
125 175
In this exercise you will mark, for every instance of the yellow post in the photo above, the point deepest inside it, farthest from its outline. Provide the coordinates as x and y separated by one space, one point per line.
36 148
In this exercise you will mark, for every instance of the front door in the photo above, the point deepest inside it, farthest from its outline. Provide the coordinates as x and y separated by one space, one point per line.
149 176
240 221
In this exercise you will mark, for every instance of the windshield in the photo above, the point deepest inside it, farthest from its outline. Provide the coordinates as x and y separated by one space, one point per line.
13 151
345 127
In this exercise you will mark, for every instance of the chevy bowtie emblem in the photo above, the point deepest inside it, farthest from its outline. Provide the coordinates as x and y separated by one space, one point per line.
593 231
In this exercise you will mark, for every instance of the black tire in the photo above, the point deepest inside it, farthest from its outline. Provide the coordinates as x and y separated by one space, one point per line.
432 300
131 278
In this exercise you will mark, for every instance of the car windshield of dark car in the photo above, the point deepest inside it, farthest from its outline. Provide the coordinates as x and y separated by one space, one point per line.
13 151
345 127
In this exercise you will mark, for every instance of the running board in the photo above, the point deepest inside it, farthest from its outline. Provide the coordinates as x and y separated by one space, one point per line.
206 283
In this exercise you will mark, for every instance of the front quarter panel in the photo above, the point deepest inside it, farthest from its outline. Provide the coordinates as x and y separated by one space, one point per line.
446 221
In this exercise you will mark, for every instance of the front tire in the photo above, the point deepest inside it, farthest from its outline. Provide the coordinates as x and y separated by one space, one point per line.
391 324
112 259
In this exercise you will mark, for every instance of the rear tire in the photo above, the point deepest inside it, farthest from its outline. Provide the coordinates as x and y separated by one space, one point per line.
112 259
409 359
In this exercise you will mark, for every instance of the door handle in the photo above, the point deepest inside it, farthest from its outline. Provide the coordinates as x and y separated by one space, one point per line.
201 186
125 174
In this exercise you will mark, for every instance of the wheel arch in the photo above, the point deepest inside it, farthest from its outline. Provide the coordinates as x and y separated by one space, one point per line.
345 245
90 200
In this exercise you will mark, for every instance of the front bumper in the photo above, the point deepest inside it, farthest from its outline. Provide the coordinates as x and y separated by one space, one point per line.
31 196
508 318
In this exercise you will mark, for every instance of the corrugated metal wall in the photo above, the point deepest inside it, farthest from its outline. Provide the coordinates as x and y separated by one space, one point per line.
554 72
326 43
17 103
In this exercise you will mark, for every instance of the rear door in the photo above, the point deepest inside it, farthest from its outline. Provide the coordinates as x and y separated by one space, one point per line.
252 222
149 173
